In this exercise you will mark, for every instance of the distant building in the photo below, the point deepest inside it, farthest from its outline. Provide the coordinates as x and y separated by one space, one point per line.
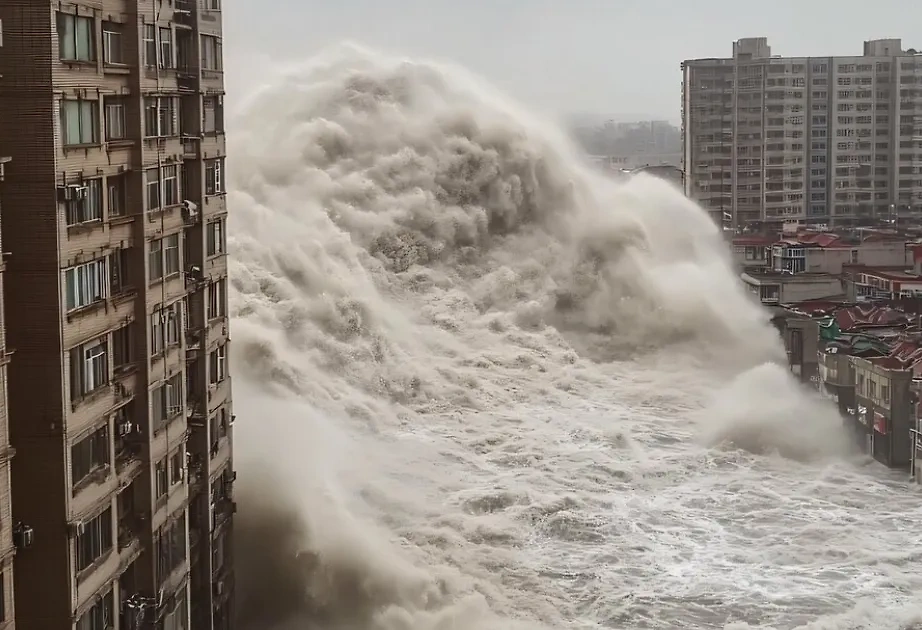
834 140
614 146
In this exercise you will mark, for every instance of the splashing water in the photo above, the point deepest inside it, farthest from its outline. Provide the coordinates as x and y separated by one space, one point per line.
483 387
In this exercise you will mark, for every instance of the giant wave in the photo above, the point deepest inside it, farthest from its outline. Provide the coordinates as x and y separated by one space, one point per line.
482 386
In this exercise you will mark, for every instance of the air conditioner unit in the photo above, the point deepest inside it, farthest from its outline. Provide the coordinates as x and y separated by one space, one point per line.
190 206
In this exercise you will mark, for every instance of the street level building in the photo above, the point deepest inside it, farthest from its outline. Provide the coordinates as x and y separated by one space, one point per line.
114 223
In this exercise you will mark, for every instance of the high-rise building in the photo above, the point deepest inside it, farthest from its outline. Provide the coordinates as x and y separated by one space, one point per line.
113 223
835 140
7 550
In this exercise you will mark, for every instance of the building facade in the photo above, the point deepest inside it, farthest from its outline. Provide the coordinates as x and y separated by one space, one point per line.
114 222
7 548
885 409
834 140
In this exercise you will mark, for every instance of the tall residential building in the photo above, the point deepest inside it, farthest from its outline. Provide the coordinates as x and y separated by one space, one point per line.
7 550
114 235
835 140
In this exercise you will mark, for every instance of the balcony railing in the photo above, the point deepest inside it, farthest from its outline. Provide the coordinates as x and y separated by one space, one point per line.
184 13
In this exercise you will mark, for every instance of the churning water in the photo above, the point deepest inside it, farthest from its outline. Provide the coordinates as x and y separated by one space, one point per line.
481 387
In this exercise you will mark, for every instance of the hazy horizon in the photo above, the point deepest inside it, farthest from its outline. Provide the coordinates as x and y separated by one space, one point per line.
611 60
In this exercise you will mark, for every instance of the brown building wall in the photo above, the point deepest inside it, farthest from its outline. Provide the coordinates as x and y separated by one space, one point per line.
29 224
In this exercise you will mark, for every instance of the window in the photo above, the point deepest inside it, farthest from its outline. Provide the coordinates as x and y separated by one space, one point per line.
95 541
76 40
112 43
213 114
176 466
170 548
217 365
100 617
161 479
85 284
116 196
155 260
214 180
89 207
216 238
152 182
218 428
2 584
217 299
211 53
122 347
212 5
89 368
150 45
160 116
170 179
119 279
165 327
89 454
79 122
162 187
166 47
115 118
164 258
167 400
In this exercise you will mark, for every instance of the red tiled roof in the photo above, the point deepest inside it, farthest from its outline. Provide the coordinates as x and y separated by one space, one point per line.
861 315
819 239
742 241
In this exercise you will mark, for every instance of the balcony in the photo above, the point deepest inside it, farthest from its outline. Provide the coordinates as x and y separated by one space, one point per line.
194 342
187 78
184 13
191 147
129 529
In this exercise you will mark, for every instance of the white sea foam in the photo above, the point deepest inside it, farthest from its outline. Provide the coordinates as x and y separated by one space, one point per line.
480 386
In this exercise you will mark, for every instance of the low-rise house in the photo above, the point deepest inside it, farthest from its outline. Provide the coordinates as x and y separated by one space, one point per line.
751 252
836 372
885 409
824 252
786 288
801 337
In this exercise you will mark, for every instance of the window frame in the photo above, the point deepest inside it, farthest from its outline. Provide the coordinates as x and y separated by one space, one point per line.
119 121
217 299
84 284
149 42
87 558
214 177
92 118
87 210
216 238
108 35
96 446
61 19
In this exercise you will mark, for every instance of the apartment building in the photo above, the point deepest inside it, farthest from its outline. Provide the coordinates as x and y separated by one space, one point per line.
7 549
114 222
835 140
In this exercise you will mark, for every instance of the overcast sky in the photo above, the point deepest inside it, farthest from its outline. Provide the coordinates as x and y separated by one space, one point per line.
610 57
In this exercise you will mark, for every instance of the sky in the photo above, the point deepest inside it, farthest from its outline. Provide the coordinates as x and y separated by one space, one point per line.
612 58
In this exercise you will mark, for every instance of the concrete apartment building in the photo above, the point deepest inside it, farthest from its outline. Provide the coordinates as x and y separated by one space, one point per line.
835 140
7 549
114 222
